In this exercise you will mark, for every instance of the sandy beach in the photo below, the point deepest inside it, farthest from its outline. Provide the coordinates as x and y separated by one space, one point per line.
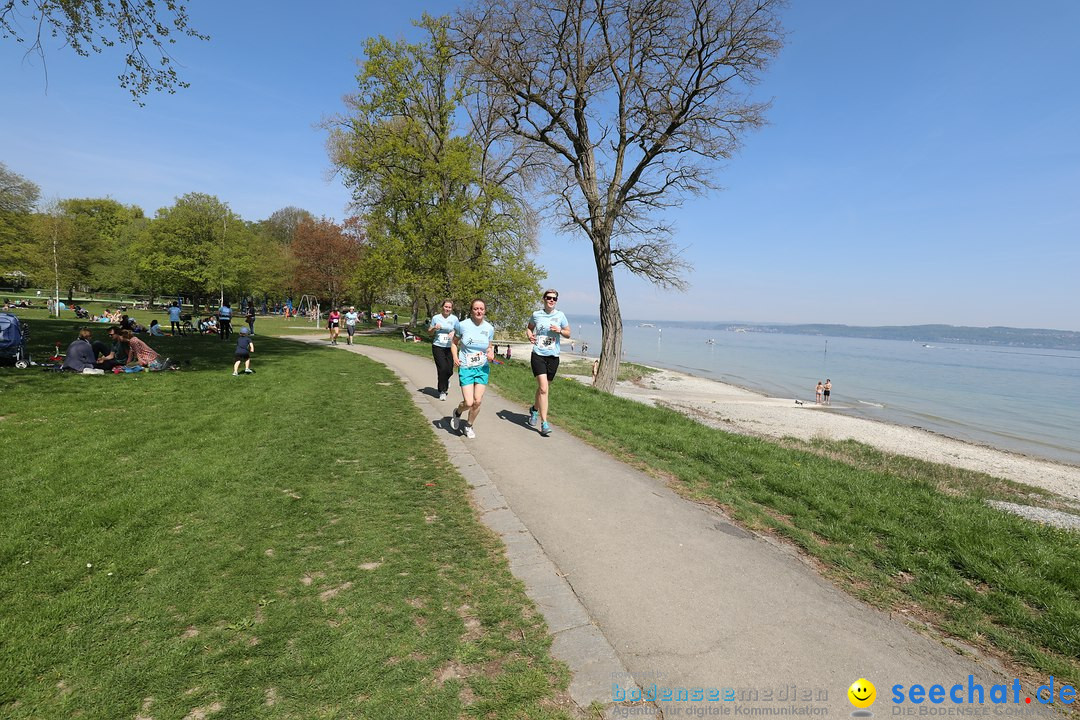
735 409
738 410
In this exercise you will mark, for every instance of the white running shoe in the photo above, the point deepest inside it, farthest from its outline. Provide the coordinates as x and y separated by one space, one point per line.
442 396
455 420
469 432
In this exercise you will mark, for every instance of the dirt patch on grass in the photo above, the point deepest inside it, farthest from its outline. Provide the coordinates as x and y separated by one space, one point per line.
326 595
202 713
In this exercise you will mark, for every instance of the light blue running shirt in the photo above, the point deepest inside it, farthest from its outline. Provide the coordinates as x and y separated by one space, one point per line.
444 325
547 342
473 342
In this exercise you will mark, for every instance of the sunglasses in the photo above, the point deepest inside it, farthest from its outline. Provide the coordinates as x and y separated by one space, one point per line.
551 297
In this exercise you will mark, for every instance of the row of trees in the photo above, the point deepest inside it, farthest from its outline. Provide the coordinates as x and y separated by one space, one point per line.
606 113
614 110
200 249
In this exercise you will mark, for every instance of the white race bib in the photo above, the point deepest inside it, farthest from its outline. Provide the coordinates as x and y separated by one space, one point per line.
545 341
474 360
442 338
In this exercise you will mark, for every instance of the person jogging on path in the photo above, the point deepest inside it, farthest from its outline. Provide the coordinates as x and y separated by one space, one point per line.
546 329
474 353
350 323
333 324
443 327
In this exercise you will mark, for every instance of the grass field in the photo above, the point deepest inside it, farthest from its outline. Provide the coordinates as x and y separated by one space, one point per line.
292 544
902 534
905 535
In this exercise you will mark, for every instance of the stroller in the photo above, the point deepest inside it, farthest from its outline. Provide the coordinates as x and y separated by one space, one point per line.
13 336
81 313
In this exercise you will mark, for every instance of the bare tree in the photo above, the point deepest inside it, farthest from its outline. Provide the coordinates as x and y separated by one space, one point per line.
624 107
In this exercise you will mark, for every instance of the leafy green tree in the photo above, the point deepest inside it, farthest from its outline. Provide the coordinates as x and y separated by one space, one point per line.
94 228
438 225
188 249
18 196
145 29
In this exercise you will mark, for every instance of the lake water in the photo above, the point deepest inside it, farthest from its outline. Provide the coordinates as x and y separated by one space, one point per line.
1026 400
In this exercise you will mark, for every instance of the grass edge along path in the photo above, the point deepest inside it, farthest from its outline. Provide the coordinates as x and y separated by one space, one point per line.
293 544
899 533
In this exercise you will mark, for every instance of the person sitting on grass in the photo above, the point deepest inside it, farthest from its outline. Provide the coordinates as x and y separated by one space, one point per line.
155 329
139 353
80 353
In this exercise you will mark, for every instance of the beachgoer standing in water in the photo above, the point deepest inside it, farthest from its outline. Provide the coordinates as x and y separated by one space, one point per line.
472 340
443 326
819 393
828 391
546 329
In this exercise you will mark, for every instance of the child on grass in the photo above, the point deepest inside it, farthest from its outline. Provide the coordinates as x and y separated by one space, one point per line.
244 350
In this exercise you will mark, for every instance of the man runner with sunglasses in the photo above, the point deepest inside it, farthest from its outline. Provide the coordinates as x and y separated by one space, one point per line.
546 329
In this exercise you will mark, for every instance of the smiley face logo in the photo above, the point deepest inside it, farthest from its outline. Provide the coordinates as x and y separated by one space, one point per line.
862 693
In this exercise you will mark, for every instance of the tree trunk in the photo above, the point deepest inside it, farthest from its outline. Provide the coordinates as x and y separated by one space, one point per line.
610 318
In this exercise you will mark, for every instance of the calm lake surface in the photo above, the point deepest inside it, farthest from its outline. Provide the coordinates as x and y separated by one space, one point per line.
1020 399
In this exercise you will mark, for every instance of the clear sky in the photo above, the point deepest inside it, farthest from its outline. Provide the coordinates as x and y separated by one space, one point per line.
922 162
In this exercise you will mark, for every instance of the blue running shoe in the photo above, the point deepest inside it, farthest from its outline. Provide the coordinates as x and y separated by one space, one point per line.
534 417
545 429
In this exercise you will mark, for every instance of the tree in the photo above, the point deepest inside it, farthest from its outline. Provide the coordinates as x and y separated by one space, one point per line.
92 25
324 258
188 248
623 106
94 228
437 225
18 196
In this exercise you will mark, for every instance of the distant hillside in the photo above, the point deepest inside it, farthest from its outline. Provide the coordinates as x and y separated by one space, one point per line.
1003 336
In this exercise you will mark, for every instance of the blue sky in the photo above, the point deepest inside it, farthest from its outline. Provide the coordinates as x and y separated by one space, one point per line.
922 162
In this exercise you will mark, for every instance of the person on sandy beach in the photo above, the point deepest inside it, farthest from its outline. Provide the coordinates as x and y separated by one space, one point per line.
827 392
443 326
819 393
473 341
546 329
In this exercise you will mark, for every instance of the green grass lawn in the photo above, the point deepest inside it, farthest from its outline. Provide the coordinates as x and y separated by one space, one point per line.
292 544
902 534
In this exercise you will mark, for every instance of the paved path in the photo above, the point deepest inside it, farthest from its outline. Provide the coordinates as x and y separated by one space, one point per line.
636 579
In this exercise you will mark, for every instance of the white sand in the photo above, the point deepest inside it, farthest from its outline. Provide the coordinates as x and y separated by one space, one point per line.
737 410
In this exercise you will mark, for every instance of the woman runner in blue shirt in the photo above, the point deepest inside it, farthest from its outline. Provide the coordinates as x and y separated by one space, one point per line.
474 353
